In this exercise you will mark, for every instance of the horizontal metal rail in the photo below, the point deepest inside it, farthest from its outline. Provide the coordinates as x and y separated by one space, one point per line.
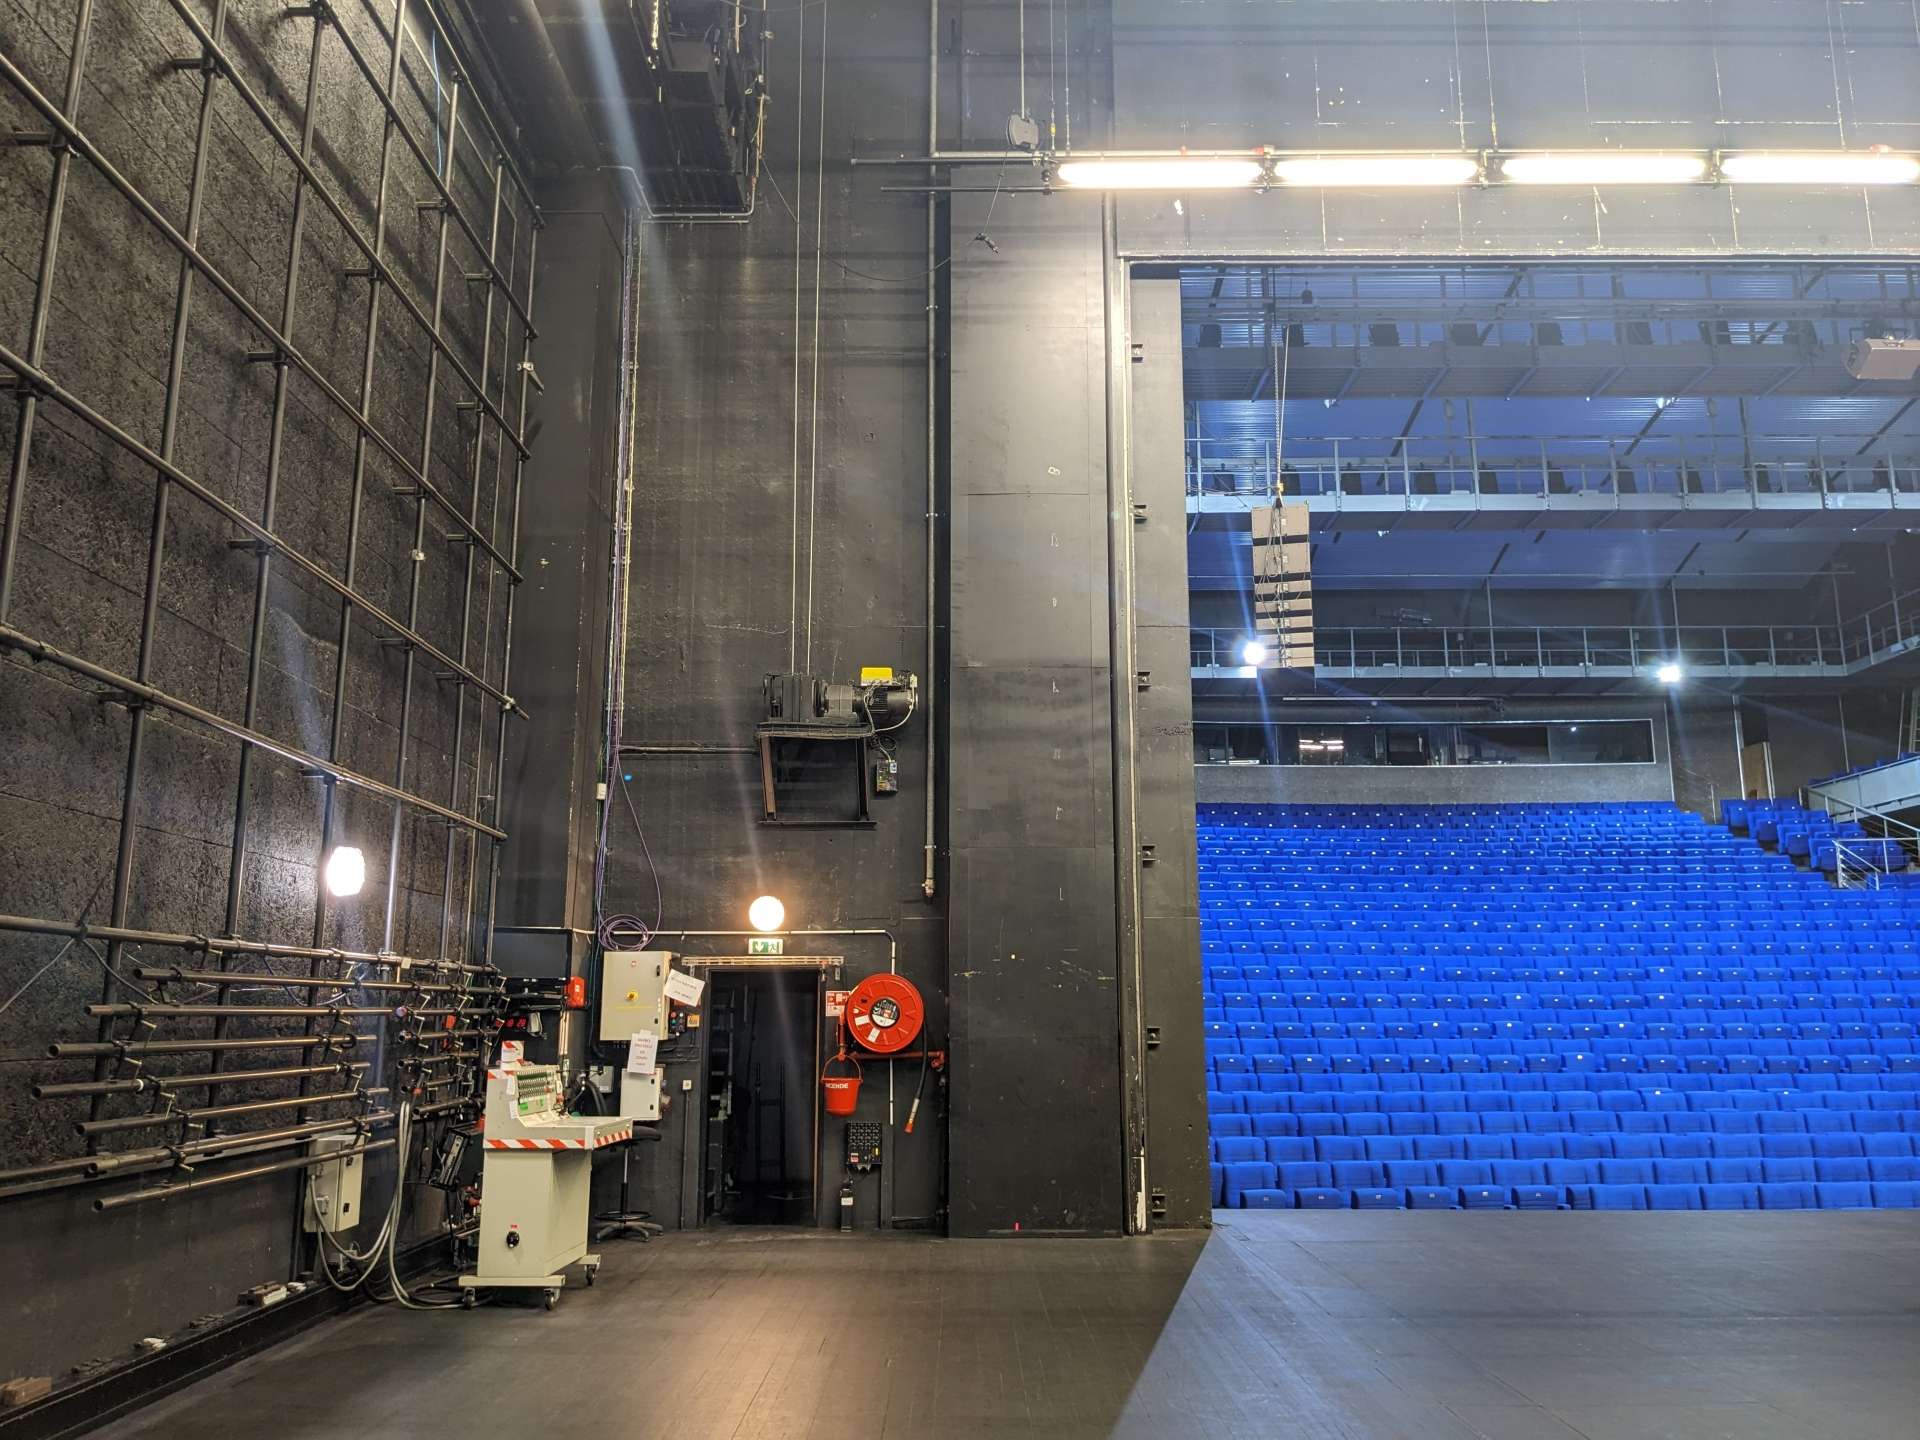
322 982
147 1084
232 945
204 1113
283 348
185 1187
13 639
141 1049
121 1010
49 388
242 1140
217 55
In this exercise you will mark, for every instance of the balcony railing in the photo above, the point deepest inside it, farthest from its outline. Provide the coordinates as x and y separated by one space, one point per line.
1502 466
1604 649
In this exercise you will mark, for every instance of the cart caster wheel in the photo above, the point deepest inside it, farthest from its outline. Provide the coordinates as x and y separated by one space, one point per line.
469 1299
592 1270
553 1298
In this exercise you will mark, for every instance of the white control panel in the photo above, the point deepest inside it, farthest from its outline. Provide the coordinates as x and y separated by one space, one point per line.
633 1002
630 993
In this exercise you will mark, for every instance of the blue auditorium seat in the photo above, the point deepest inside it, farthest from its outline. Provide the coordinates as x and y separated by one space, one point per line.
1267 1199
1525 987
1795 1195
1322 1198
1432 1197
1618 1197
1856 1195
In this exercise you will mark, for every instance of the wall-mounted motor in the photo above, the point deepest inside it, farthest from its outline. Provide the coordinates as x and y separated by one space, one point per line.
813 726
881 699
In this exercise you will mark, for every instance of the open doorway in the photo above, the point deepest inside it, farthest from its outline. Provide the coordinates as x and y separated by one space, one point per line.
759 1160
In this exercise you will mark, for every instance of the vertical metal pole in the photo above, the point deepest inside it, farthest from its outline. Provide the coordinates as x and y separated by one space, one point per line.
506 647
408 663
1131 1050
263 563
157 542
276 445
343 642
11 526
466 589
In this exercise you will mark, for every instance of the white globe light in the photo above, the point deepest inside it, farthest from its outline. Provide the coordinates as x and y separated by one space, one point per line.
1253 653
345 871
767 913
1668 674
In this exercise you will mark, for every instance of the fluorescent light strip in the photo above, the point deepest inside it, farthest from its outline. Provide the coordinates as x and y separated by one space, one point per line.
1171 174
1605 167
1378 172
1836 167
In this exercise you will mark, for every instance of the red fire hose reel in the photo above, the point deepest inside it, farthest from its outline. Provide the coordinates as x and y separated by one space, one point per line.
884 1014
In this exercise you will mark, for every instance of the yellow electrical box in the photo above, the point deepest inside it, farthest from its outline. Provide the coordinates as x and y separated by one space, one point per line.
871 673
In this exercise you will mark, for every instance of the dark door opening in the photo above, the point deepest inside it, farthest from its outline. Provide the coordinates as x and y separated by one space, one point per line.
759 1162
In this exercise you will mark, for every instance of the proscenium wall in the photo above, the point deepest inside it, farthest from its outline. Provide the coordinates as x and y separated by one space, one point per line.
84 1286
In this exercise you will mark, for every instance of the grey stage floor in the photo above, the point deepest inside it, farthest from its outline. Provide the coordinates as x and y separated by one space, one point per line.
1428 1326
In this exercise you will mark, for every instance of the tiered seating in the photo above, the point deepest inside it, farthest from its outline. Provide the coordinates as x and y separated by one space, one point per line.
1810 835
1549 1007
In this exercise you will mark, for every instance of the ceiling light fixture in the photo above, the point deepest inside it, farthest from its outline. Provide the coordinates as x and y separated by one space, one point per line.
1834 167
1605 167
1253 653
1669 673
1377 172
1169 174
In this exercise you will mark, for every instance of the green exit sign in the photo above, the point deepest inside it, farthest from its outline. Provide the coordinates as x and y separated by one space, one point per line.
766 945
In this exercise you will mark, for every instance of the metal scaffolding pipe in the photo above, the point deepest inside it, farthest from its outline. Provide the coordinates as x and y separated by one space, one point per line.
130 1050
141 1084
311 982
382 272
204 1113
174 939
283 349
13 639
242 1140
38 380
165 1192
120 1009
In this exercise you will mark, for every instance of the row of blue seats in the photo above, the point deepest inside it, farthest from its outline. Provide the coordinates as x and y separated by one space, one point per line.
1637 1007
1856 1123
1898 1149
1813 1108
1400 1174
1665 1069
1374 1088
1788 1196
1709 1025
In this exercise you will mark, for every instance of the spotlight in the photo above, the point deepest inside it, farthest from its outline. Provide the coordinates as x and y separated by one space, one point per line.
767 913
1172 174
1669 673
1604 167
1378 171
345 871
1253 653
1833 167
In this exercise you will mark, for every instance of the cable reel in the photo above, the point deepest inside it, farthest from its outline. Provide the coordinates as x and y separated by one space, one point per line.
884 1013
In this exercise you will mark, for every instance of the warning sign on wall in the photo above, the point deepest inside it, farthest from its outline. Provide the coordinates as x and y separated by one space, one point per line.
836 1003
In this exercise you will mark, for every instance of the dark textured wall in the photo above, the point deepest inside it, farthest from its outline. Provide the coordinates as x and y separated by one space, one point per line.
781 477
87 1286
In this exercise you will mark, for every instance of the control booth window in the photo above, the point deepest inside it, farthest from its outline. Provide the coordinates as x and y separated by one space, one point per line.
1489 742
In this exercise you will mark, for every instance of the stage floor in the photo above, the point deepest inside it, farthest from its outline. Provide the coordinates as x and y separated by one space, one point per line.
1427 1326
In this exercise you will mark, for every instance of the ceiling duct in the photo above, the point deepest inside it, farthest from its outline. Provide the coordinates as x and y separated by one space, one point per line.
673 90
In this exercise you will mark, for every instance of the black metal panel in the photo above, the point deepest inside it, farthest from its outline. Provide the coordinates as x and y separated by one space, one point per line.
1033 941
1175 1063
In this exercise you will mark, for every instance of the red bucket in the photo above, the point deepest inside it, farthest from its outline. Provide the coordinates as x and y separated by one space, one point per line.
842 1091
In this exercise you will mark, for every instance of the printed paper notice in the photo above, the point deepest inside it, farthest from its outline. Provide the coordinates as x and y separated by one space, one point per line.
684 988
643 1053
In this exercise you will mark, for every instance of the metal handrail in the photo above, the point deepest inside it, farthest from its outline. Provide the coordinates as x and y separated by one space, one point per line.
1519 466
1544 649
